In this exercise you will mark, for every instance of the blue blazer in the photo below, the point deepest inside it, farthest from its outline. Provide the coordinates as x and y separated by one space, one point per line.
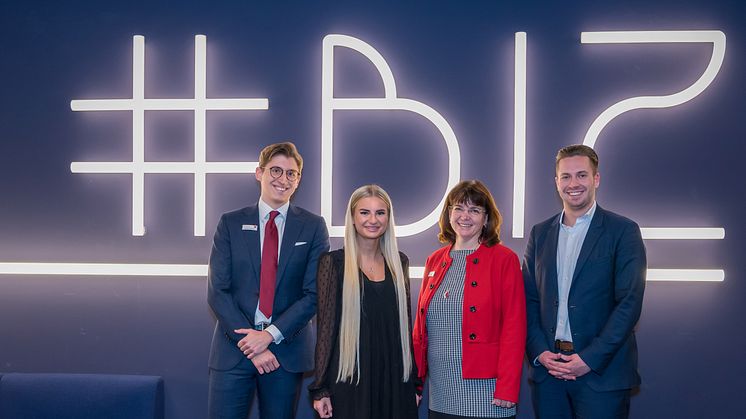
604 303
233 285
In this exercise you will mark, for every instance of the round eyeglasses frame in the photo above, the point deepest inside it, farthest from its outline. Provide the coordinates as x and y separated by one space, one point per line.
277 172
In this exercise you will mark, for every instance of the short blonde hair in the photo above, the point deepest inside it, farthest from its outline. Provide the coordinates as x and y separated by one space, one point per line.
286 149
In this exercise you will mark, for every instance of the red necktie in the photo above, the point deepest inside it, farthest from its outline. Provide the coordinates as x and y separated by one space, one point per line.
268 276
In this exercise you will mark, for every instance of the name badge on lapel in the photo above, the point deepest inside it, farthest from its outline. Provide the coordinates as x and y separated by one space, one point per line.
249 227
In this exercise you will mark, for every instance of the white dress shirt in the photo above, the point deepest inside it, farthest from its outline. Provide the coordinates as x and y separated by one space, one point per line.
264 210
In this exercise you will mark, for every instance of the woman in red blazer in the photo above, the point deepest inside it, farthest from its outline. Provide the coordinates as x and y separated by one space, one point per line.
470 330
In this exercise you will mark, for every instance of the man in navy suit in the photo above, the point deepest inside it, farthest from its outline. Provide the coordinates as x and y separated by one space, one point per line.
584 273
262 290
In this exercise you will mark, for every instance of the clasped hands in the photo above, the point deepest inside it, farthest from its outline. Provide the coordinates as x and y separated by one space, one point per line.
254 347
563 367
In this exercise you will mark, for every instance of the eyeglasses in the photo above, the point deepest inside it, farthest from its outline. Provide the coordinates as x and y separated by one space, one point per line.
473 211
277 172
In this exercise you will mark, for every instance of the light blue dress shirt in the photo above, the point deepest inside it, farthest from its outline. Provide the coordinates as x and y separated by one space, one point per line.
568 249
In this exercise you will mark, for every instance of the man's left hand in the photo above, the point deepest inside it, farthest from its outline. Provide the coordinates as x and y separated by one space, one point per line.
265 362
255 341
575 364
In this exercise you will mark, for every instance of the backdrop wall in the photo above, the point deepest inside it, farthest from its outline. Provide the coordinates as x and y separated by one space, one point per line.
454 63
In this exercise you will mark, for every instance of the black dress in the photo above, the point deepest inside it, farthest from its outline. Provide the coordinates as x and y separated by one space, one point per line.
380 392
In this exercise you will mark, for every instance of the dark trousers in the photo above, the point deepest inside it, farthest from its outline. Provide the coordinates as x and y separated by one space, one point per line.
232 392
558 399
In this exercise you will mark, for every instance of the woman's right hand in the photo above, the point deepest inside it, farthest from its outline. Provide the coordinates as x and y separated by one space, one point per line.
323 407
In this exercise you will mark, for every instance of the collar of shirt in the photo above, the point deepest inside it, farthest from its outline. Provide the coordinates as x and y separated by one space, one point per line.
265 209
585 218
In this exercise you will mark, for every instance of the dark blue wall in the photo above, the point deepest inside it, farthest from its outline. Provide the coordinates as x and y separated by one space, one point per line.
670 167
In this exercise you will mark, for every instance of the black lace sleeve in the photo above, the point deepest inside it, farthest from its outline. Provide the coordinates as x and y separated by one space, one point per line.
414 377
326 318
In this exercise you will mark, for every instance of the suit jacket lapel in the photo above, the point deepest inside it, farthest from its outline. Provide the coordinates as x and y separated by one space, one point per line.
549 256
591 238
251 237
293 227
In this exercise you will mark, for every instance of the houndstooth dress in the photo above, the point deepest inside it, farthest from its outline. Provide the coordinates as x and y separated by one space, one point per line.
449 392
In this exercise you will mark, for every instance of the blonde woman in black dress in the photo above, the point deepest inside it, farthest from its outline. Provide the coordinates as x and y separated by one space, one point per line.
364 365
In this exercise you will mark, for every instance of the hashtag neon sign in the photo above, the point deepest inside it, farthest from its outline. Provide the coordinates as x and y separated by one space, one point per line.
138 104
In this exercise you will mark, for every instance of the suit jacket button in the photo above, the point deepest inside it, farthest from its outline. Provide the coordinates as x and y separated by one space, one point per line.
475 261
442 264
472 336
422 311
473 309
473 283
432 286
551 330
556 303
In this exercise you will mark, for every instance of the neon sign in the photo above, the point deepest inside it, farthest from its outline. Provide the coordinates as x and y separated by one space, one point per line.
138 104
390 100
717 38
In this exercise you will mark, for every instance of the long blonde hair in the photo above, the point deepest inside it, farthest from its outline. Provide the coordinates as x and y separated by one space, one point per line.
349 329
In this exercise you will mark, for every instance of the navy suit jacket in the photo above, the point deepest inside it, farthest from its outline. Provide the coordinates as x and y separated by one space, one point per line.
233 285
604 303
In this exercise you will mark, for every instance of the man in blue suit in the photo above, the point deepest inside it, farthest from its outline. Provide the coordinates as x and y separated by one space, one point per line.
584 273
262 290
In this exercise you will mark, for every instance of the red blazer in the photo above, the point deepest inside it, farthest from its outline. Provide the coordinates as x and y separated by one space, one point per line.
493 329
